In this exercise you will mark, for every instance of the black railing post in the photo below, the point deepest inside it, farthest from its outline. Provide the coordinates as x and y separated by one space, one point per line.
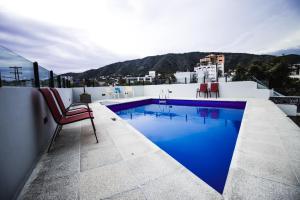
204 79
0 80
36 75
225 77
59 81
63 82
185 80
217 73
51 80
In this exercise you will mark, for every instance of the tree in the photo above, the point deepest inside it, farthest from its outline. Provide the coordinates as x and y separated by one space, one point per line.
278 74
274 72
240 74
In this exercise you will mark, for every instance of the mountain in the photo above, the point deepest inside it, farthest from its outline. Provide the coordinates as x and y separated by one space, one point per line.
170 63
295 50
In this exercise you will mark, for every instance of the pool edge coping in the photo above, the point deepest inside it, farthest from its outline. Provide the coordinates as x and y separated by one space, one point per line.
238 141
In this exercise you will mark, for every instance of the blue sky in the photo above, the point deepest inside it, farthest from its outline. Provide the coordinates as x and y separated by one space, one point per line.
78 35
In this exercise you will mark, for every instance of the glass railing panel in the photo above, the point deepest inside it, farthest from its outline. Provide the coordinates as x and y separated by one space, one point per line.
15 70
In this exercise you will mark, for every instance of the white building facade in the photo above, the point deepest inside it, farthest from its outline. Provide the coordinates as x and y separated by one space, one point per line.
147 78
184 77
295 71
209 69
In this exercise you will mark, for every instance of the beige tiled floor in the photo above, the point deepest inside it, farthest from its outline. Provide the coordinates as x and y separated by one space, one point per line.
126 165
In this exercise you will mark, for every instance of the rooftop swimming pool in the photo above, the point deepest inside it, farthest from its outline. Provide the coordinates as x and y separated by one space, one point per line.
201 135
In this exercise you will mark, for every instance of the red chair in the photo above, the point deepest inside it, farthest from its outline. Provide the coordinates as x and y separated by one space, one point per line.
63 120
204 89
214 87
69 111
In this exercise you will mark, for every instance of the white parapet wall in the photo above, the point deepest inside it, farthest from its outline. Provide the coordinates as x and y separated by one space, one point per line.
66 95
289 110
26 128
240 89
99 93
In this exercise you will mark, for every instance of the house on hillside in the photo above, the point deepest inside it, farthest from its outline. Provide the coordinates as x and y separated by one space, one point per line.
147 78
295 71
209 68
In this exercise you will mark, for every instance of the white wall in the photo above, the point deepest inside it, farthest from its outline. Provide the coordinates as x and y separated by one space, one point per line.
66 95
182 77
96 92
290 110
243 89
26 127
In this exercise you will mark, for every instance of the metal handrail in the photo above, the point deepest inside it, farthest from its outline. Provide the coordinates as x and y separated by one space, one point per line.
291 100
260 83
277 94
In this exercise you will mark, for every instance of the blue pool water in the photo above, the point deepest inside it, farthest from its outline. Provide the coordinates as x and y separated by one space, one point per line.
200 138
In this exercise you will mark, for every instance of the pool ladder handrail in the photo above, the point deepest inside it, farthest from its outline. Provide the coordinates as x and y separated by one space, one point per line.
164 95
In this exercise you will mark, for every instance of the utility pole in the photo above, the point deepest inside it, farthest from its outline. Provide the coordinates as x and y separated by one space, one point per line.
16 71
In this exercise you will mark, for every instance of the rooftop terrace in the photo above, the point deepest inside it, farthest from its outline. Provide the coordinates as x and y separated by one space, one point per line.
126 165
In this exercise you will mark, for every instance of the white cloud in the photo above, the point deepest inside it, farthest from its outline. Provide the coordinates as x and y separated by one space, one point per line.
122 29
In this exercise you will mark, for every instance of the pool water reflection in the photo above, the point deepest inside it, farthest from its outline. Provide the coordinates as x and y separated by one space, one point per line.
200 138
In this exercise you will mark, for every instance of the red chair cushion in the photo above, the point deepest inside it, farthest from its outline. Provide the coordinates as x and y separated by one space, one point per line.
214 87
77 111
203 87
59 100
72 109
51 104
75 118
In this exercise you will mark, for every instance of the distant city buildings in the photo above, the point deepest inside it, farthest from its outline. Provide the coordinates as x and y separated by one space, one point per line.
152 74
147 78
295 71
210 68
